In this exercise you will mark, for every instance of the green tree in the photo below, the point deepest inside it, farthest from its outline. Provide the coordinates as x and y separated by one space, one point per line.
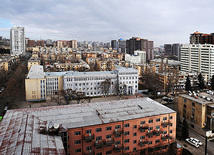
201 81
188 84
185 131
212 82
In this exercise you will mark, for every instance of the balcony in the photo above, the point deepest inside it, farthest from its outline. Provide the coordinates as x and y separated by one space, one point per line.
118 132
149 133
143 142
166 137
109 141
89 153
99 143
145 127
166 123
88 137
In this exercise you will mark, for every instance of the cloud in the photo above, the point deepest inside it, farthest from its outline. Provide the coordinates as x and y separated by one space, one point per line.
166 21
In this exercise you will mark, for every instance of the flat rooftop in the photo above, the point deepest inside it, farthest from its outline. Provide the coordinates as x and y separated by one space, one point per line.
87 114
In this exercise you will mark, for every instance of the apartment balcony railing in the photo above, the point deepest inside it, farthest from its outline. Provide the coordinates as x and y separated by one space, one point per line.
143 127
143 142
109 141
89 137
99 143
118 132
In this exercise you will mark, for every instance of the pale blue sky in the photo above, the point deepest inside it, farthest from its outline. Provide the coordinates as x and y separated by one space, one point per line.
163 21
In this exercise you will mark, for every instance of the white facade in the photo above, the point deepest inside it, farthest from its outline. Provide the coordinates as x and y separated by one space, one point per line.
139 57
198 58
90 82
17 40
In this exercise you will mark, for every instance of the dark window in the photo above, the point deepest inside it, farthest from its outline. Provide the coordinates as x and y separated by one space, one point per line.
134 126
193 104
126 141
108 128
108 136
170 117
126 148
117 142
165 132
192 126
151 121
142 137
88 141
158 120
185 100
134 141
77 133
157 127
99 153
185 106
135 134
108 152
165 118
78 150
150 142
170 131
118 136
157 141
117 126
126 133
87 131
88 148
150 128
99 138
77 141
98 129
134 149
142 122
126 125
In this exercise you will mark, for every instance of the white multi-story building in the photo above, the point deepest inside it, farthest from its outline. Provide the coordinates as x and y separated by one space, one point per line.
139 57
17 40
198 58
40 84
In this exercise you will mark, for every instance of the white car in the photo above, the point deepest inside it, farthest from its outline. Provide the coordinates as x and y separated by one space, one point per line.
196 140
192 142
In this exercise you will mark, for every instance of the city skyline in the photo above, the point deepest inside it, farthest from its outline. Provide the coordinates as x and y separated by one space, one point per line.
163 22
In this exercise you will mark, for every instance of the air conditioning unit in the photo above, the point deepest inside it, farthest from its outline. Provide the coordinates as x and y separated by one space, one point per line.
109 139
163 121
115 129
141 125
90 151
115 145
97 141
148 131
89 134
140 140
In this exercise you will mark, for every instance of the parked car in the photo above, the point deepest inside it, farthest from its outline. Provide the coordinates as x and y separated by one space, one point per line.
192 142
196 140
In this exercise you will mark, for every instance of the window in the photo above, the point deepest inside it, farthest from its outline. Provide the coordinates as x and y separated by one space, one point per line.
134 149
87 131
98 129
165 132
157 127
134 141
158 120
108 152
117 126
108 128
170 117
150 128
117 142
142 137
165 118
157 141
151 121
185 100
126 141
126 125
77 133
98 138
134 126
126 133
193 104
78 150
126 148
135 134
170 131
88 148
142 122
77 141
108 136
99 153
118 136
185 106
150 142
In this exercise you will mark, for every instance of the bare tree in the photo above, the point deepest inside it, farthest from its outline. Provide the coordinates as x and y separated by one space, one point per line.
69 94
105 86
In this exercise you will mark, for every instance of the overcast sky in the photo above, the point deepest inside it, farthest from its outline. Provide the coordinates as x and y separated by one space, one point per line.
163 21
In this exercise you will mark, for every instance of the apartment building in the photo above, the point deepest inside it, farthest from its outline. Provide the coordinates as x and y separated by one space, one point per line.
197 109
134 126
17 40
33 61
198 58
8 62
139 57
38 85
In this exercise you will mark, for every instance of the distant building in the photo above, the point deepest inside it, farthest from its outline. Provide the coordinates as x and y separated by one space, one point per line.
198 58
201 38
31 43
40 43
135 43
139 57
168 49
17 40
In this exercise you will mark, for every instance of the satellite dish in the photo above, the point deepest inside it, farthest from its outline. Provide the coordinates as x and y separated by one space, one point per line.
50 124
56 125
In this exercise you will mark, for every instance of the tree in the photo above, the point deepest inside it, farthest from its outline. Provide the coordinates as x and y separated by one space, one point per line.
69 94
201 81
185 131
188 84
212 82
105 86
